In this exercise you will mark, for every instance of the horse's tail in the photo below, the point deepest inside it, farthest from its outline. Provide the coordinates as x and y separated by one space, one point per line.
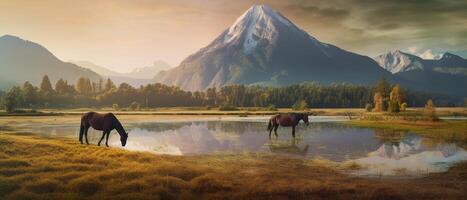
270 125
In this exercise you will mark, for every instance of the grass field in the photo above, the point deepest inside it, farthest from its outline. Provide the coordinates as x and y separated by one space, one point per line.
34 167
43 168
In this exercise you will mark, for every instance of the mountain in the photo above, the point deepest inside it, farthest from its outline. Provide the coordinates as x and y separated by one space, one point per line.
443 75
103 71
22 60
397 61
150 71
263 47
137 77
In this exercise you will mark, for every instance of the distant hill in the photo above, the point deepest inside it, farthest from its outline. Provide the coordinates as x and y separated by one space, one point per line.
149 72
445 75
22 60
263 47
137 77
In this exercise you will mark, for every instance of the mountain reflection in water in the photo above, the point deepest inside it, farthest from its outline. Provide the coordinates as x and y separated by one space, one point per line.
379 152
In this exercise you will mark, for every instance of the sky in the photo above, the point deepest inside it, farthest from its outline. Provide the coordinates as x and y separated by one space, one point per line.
125 34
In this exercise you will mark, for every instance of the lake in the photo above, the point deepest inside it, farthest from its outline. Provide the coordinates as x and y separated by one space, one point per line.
379 152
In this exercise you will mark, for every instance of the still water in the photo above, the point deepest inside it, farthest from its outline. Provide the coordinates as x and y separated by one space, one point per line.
378 152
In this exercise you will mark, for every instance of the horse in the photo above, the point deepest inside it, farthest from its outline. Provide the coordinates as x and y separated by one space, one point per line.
102 122
286 120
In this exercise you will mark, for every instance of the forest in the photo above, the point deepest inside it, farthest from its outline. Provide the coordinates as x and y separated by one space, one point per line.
105 93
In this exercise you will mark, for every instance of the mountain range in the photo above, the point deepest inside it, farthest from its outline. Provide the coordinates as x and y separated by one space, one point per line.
22 60
445 75
136 77
262 47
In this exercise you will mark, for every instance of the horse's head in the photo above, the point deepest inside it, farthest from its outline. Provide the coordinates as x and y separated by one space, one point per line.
123 139
305 118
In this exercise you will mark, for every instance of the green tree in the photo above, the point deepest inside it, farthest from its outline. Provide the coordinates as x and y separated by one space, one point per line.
29 94
300 105
12 99
83 86
61 87
382 87
46 86
109 85
393 106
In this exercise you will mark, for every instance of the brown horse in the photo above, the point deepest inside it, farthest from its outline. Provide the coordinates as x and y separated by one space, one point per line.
102 122
290 119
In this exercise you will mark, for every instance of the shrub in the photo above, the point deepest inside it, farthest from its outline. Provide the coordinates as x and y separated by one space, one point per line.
430 111
272 108
403 107
115 106
134 106
300 105
393 106
227 107
368 107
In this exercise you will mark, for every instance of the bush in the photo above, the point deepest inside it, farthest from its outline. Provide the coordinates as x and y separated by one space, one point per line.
134 106
300 105
226 107
430 111
368 107
403 107
393 106
115 106
272 108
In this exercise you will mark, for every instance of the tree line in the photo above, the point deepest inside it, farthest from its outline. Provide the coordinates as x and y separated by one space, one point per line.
104 93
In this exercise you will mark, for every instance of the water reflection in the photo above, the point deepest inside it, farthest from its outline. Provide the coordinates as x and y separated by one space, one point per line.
413 155
380 152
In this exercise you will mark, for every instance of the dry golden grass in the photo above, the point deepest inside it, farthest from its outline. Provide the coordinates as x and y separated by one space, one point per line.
32 167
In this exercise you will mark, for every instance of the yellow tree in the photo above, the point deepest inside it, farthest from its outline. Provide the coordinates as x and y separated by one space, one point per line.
379 102
397 94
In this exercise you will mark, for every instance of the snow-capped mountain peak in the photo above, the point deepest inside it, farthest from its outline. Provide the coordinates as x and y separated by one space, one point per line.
258 24
397 61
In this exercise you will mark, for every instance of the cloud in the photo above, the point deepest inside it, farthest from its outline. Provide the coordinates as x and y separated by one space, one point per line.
412 49
428 54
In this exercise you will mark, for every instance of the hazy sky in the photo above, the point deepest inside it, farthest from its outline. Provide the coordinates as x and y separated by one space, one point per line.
124 34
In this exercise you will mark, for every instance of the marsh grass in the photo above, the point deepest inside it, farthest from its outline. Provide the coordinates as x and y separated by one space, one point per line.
33 167
449 131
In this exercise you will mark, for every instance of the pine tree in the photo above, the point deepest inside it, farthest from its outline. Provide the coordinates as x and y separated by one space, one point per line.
61 87
109 85
46 86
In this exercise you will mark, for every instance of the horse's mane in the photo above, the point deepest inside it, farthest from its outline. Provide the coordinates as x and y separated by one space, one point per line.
118 125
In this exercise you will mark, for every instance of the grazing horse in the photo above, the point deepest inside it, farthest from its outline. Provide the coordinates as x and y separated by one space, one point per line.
290 119
102 122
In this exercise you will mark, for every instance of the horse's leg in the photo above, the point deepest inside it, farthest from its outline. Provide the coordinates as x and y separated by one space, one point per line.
107 139
103 134
270 130
86 134
275 130
293 131
81 132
